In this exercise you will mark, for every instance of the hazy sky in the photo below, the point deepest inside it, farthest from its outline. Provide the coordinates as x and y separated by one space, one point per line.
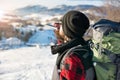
13 4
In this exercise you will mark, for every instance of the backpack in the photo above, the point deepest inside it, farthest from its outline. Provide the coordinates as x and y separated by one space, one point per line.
106 47
86 55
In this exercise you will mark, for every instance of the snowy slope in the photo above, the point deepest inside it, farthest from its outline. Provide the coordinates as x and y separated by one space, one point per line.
44 37
28 63
10 43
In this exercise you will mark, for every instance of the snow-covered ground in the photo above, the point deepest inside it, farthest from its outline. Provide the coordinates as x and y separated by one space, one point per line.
19 61
27 63
44 37
10 43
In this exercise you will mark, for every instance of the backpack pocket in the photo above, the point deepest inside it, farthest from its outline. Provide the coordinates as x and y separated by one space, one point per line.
105 71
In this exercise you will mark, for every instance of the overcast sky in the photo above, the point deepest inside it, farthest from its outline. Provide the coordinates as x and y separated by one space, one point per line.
13 4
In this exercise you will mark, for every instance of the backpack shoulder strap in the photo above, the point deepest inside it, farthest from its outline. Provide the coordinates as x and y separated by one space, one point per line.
83 52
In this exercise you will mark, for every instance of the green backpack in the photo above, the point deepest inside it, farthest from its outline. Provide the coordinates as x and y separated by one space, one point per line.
106 48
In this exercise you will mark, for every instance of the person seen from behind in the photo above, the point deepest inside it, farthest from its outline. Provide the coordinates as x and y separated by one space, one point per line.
74 61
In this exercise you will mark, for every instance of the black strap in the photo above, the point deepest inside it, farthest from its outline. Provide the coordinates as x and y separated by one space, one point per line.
115 58
118 72
63 78
85 56
84 53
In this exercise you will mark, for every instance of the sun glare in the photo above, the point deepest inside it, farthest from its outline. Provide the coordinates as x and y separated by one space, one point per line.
1 14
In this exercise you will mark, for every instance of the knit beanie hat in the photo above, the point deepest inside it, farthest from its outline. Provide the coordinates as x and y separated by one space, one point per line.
74 24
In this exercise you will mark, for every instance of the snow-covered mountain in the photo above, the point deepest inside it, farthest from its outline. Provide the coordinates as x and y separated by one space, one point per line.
60 9
31 9
41 36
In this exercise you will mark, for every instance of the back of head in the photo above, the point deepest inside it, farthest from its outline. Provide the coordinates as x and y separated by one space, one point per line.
74 24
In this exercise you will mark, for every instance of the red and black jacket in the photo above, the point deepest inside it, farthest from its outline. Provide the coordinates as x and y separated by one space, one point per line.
72 69
73 66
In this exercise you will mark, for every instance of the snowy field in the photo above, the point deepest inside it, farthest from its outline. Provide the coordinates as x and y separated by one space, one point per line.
27 63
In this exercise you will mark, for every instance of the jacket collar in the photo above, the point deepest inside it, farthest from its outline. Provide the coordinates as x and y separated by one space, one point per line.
65 46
